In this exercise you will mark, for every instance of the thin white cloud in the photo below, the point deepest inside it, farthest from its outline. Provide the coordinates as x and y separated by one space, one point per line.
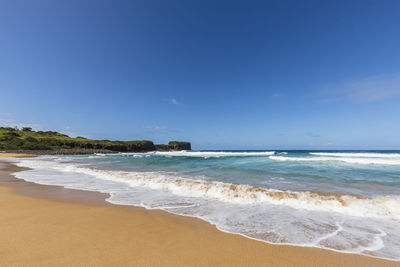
12 123
366 90
312 134
275 96
172 101
71 132
7 122
375 88
155 128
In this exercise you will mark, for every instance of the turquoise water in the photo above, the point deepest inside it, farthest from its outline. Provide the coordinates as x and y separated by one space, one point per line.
334 175
347 201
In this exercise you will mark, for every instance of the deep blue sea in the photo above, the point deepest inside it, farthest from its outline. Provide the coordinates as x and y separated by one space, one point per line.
348 201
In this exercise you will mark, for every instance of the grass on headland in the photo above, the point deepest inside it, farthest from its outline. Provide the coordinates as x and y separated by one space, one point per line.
14 139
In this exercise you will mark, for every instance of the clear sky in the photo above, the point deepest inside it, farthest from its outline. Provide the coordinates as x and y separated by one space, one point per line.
221 74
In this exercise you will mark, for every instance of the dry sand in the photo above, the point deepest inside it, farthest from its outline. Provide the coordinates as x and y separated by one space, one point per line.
15 155
53 226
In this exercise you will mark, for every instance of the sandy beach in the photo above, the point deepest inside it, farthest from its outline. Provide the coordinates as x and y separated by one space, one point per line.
15 155
199 133
53 226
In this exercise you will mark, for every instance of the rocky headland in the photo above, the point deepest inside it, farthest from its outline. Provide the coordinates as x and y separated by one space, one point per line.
50 143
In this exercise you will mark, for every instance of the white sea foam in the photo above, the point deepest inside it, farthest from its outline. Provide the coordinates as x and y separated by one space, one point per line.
357 155
202 154
352 160
340 222
378 207
184 153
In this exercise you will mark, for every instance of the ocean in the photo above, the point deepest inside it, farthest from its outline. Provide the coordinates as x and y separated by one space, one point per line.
347 201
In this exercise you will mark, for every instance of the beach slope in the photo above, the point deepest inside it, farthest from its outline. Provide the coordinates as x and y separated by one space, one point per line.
53 226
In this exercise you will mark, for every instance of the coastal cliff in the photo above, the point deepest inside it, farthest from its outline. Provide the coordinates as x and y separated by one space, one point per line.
50 142
178 145
174 146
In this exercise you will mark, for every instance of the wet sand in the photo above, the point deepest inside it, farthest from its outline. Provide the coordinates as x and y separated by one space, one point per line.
53 226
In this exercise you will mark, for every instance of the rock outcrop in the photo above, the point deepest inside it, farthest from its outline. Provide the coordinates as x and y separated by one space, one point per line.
140 146
13 139
178 145
162 148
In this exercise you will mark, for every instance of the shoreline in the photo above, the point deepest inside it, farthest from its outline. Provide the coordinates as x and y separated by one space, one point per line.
184 226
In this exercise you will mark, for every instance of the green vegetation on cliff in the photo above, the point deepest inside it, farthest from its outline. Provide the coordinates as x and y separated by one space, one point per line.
26 139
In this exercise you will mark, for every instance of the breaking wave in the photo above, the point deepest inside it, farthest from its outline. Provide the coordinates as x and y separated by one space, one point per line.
343 222
211 154
358 154
342 158
378 207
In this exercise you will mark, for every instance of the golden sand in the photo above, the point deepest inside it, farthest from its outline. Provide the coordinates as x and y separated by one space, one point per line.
15 155
53 226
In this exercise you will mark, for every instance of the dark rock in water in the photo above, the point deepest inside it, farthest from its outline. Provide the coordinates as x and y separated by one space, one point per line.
119 148
177 145
140 146
162 148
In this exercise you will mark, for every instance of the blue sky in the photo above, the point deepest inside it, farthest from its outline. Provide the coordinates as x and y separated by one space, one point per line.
221 74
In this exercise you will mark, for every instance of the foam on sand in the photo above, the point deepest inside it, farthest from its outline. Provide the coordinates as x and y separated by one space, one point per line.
342 222
378 207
